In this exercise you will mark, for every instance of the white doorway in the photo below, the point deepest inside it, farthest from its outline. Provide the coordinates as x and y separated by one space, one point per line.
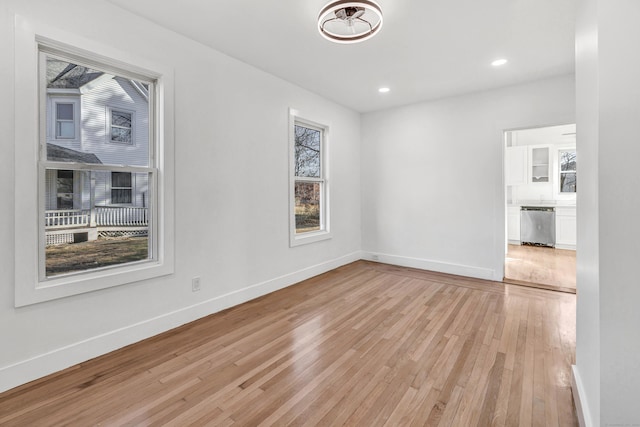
541 188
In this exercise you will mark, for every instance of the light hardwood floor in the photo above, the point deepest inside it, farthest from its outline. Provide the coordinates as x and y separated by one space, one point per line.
547 268
363 345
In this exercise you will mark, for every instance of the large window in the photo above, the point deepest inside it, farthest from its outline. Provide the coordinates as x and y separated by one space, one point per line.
81 238
567 162
309 193
93 214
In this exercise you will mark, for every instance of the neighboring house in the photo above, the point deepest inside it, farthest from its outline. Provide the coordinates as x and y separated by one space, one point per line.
96 118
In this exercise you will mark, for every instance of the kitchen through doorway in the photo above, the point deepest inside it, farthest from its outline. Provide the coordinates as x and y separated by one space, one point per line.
541 188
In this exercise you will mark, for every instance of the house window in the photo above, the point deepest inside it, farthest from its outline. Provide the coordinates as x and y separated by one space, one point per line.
65 120
567 171
121 188
309 184
64 189
121 126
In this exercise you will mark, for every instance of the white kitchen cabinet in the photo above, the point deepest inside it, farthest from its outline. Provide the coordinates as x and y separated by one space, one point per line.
513 224
566 227
515 165
539 164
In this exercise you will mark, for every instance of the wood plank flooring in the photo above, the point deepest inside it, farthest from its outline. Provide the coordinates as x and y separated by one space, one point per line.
546 268
364 345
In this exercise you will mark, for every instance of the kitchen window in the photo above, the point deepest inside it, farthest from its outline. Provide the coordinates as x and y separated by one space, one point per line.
567 161
309 182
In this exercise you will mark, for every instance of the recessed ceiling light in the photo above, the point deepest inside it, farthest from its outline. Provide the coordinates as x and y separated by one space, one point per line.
499 62
384 90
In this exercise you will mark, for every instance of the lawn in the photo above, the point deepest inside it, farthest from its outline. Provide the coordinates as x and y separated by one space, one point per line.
72 257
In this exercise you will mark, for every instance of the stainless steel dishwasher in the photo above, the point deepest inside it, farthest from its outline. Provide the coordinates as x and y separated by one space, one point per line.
538 226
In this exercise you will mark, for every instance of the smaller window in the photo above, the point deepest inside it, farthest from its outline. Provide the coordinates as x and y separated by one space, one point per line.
121 188
65 121
121 127
567 171
309 183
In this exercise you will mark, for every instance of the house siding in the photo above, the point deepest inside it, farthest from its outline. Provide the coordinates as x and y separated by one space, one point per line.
116 93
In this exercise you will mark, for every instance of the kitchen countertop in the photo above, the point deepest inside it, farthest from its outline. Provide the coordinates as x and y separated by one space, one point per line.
545 203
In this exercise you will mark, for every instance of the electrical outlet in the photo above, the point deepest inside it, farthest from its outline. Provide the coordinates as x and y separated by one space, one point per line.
195 284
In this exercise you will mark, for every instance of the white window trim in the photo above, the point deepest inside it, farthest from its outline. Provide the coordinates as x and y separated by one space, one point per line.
297 239
110 110
29 200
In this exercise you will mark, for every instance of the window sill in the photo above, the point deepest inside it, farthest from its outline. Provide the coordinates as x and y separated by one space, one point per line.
311 237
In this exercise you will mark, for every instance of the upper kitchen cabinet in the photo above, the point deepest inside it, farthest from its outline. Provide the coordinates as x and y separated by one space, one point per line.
515 165
539 164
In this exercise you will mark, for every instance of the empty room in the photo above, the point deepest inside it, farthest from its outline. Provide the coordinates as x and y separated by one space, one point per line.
366 213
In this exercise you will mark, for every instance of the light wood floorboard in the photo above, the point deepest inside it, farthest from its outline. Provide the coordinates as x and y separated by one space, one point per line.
364 345
546 268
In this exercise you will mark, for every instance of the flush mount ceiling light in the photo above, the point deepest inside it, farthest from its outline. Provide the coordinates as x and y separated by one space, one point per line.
344 21
499 62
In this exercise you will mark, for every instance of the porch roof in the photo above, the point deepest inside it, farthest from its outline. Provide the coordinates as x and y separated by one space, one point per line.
55 153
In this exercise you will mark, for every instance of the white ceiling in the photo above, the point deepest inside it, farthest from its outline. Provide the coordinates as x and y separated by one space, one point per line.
427 49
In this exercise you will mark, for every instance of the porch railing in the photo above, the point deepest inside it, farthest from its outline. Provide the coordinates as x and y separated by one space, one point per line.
105 216
66 218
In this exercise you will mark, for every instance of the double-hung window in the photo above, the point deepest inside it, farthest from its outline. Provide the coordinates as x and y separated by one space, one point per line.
121 188
121 126
91 213
309 183
65 120
76 189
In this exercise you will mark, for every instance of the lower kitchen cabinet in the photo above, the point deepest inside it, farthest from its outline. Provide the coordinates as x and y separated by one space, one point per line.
513 224
566 227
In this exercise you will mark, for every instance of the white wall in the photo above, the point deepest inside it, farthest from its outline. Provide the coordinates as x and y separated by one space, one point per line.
608 350
432 175
587 370
231 162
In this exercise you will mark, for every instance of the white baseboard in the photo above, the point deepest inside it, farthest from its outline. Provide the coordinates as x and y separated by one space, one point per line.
439 266
567 247
579 397
56 360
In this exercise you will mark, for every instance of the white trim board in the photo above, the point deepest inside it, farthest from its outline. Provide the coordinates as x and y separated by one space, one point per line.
432 265
580 398
56 360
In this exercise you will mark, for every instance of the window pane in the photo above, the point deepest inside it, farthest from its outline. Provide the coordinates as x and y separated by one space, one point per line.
307 152
85 236
66 130
65 111
87 114
121 179
119 118
568 182
307 206
120 134
567 160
